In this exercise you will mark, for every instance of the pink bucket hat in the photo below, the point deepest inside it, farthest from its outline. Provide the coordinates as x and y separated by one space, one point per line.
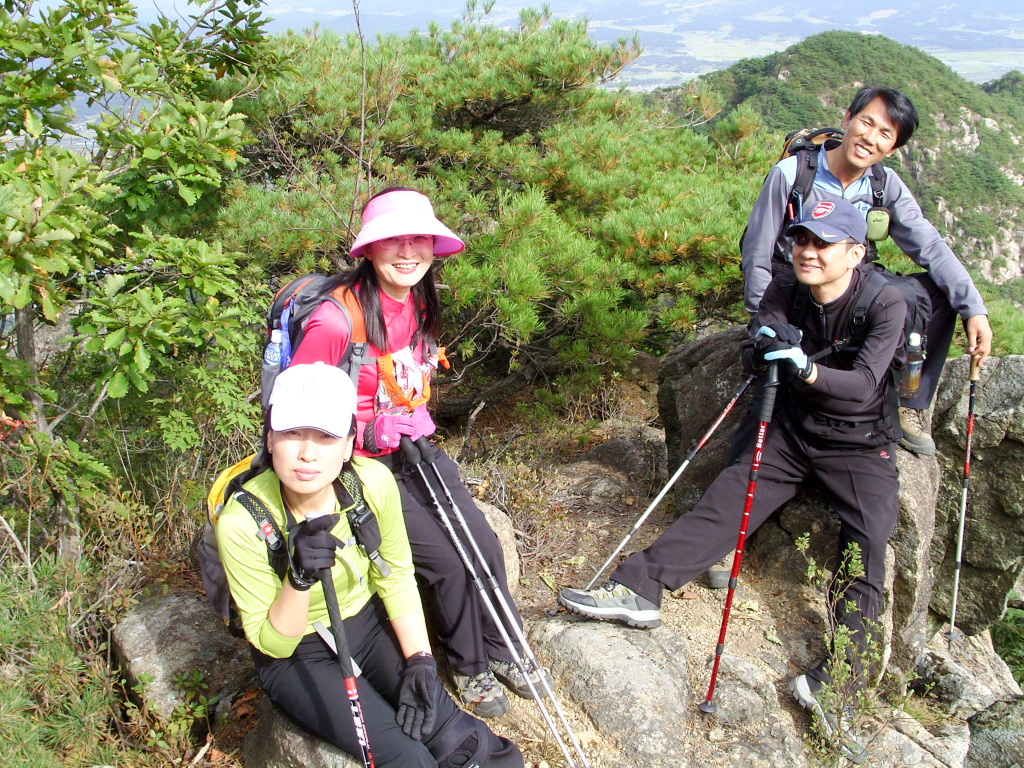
404 212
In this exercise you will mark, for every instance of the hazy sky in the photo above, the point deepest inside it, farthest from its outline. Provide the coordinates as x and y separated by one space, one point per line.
980 39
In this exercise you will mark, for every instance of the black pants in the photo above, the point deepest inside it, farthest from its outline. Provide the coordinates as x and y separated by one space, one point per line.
465 627
309 688
861 481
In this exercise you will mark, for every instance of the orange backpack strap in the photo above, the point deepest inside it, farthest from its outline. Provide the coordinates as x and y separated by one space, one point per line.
358 350
346 298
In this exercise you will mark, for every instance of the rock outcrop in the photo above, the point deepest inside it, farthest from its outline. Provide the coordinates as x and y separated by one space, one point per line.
636 691
993 545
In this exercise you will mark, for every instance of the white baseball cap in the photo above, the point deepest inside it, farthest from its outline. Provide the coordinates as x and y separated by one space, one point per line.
317 396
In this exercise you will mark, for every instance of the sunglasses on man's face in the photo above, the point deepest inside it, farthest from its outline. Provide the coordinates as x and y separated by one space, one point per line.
803 237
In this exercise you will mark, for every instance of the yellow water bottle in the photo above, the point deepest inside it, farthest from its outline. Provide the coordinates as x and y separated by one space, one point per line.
915 359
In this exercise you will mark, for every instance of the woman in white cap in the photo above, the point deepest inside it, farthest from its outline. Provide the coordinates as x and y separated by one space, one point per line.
393 282
410 720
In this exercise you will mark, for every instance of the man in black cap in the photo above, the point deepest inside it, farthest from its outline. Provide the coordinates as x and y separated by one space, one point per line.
832 422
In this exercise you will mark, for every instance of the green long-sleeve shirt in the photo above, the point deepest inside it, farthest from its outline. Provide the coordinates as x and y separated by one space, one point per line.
254 584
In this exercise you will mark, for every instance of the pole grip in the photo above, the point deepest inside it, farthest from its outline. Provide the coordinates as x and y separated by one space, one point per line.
428 451
771 386
412 453
975 368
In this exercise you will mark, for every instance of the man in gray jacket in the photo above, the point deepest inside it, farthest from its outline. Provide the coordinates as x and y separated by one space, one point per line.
878 122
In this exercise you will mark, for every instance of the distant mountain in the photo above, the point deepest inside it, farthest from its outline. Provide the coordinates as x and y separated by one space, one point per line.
980 39
964 164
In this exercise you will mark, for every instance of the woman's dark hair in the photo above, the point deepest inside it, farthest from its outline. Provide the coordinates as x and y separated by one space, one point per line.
898 107
363 281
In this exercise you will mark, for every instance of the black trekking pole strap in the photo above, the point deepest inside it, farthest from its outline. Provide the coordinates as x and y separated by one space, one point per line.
836 346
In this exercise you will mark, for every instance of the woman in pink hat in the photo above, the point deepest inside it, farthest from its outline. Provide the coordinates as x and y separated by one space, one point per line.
394 285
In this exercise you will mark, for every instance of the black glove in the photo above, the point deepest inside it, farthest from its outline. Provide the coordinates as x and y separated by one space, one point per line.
773 338
313 549
418 696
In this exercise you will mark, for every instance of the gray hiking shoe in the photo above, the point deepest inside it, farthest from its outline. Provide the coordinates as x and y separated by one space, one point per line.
915 426
481 694
612 602
718 574
838 732
514 679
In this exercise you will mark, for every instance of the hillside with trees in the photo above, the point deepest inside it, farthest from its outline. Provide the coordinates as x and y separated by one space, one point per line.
144 236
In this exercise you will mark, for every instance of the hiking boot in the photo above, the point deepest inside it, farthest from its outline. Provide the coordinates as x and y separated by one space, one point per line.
718 574
612 602
481 694
839 732
514 679
915 426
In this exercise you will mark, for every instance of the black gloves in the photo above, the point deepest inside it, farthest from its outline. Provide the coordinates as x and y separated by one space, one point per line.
774 337
313 549
417 697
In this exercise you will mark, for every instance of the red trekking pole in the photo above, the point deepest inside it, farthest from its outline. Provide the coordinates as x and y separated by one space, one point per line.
974 376
771 386
345 661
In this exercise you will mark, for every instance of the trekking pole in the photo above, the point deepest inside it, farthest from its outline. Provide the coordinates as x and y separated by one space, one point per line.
771 385
974 376
429 452
345 661
657 499
415 456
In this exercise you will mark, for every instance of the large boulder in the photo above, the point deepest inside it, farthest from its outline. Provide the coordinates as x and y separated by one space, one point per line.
698 380
167 639
964 677
277 742
997 736
632 684
993 543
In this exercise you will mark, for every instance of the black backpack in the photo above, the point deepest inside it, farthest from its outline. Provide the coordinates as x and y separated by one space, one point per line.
289 313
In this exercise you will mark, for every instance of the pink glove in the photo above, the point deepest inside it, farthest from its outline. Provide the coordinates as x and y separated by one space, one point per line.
387 429
422 424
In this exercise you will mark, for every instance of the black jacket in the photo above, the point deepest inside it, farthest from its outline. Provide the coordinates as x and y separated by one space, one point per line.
851 385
